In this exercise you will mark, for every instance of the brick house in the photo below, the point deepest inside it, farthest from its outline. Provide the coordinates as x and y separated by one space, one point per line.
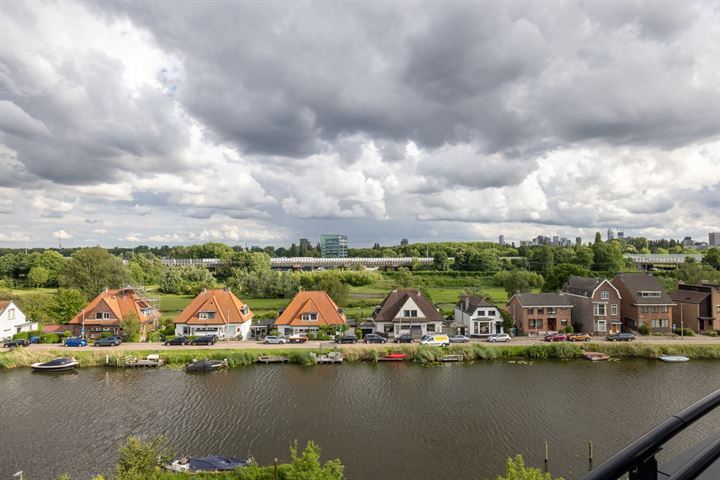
307 312
644 301
697 306
407 311
596 305
106 312
536 313
215 312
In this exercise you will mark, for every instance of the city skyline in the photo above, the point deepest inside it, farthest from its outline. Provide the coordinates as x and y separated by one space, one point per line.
128 123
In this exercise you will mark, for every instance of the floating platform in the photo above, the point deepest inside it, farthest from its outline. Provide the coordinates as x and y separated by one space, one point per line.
596 356
272 359
332 358
149 362
451 358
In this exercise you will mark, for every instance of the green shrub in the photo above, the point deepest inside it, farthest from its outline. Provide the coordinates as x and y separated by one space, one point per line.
711 333
358 333
644 329
516 470
107 334
49 338
155 337
22 336
569 329
684 331
301 357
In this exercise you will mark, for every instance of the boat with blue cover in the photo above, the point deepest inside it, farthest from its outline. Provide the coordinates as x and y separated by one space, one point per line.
212 463
57 365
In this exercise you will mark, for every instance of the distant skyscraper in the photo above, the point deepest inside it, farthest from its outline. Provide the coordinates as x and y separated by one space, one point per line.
305 243
333 245
621 234
610 234
556 240
404 242
714 239
501 240
578 241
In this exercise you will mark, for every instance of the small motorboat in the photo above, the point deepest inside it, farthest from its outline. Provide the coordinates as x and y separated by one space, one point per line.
393 357
213 463
57 365
206 365
673 358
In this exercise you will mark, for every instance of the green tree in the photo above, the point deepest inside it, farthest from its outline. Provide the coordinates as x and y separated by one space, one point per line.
52 261
508 321
608 257
712 258
38 276
145 268
91 270
131 327
140 459
66 303
441 262
559 274
516 470
37 307
307 466
331 284
171 280
518 281
404 278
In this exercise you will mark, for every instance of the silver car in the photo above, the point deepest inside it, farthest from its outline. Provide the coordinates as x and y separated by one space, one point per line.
275 339
459 339
499 337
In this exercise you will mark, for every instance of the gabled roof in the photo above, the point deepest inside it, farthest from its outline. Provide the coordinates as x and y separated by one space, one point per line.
689 296
585 286
227 308
120 302
5 304
309 301
469 304
389 309
636 282
542 300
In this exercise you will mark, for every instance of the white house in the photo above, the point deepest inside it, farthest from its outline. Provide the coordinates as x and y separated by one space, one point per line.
215 312
477 317
12 320
407 311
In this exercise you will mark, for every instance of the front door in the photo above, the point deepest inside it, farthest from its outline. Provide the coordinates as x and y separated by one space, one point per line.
552 324
614 328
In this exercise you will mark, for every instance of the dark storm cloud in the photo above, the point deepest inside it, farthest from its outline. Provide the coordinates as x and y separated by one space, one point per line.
285 79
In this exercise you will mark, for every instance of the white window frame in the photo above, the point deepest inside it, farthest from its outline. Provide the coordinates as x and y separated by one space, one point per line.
602 326
203 316
410 313
596 309
604 295
613 309
309 317
11 314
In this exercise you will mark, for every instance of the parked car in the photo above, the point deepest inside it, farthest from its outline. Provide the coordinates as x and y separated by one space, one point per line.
204 340
178 341
499 337
621 337
75 342
374 338
459 339
275 340
297 339
579 337
16 343
346 339
405 338
436 340
556 337
108 342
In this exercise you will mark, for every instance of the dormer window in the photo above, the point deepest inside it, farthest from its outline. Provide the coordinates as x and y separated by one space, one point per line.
309 317
206 315
649 294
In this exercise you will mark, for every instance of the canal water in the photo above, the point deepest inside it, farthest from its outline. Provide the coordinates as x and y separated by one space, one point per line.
386 421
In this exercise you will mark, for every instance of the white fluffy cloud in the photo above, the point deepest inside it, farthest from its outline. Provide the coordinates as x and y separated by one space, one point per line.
453 122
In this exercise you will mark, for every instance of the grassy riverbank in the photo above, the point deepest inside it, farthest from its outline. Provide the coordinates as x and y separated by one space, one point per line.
417 354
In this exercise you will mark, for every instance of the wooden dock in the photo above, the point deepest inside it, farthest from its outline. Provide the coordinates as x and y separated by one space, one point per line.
331 358
272 359
451 358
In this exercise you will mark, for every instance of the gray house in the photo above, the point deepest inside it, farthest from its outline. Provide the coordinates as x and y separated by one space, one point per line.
596 305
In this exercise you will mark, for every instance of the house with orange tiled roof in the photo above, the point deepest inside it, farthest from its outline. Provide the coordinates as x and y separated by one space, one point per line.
307 312
215 312
106 312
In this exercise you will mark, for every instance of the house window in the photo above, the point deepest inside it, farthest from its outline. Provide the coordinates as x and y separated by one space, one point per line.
535 323
309 317
11 314
530 311
649 294
563 322
604 295
660 323
541 311
664 309
491 313
410 313
552 310
643 309
613 309
601 326
599 309
481 313
98 315
186 330
431 328
206 315
102 315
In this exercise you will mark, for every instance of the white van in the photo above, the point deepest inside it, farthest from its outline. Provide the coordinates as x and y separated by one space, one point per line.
436 340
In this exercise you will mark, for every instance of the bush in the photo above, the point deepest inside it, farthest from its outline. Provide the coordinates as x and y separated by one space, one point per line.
49 338
107 334
516 470
358 333
684 331
569 329
711 333
155 337
644 329
22 336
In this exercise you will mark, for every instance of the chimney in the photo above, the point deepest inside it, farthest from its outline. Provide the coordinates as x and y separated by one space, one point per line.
466 299
226 289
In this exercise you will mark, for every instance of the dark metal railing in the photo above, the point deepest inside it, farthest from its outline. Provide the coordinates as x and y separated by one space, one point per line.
638 458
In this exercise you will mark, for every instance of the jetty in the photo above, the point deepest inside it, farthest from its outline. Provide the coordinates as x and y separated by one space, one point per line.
331 358
272 359
152 360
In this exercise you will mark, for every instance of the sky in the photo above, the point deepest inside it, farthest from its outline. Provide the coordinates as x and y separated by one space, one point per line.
126 123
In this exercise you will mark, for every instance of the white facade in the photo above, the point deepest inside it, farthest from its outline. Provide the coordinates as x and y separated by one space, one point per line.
12 321
407 327
288 330
483 321
236 331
